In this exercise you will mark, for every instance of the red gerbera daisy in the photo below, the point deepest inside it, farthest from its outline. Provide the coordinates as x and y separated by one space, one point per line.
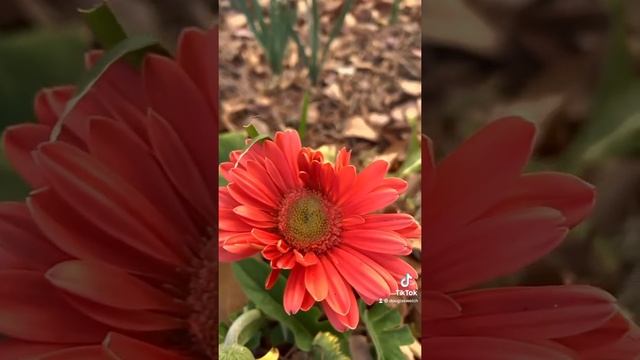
483 219
316 219
111 256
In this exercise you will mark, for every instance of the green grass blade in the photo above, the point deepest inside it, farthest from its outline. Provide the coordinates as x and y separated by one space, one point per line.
302 128
393 18
314 34
337 28
301 54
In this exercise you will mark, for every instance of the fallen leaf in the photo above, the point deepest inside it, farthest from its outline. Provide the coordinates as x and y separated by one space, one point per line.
411 87
357 127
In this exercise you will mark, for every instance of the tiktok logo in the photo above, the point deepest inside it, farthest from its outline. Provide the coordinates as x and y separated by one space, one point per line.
406 280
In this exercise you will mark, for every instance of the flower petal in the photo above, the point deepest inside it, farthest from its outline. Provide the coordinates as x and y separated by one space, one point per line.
527 313
31 310
382 241
294 291
316 281
458 258
124 347
487 348
108 286
364 279
474 177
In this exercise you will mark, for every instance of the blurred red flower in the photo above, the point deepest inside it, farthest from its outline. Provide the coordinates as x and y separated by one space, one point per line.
316 219
483 218
111 256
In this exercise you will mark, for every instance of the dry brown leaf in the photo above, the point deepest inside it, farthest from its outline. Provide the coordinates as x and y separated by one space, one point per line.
411 87
235 20
455 23
334 92
379 120
358 128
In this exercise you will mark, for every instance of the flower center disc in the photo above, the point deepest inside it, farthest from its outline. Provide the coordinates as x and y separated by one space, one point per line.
308 221
202 291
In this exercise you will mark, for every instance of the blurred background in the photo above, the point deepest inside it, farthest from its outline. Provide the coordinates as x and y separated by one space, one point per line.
570 66
345 74
42 43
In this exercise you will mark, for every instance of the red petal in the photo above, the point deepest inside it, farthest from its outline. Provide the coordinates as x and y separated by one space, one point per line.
124 347
428 165
307 259
19 142
134 163
375 200
387 221
94 352
342 323
316 281
294 291
364 279
368 179
30 309
371 262
69 230
198 55
487 348
19 350
50 103
179 165
458 258
603 336
381 241
174 96
289 143
253 213
475 176
307 302
22 239
130 320
106 199
108 286
525 313
272 278
265 237
339 292
438 305
566 193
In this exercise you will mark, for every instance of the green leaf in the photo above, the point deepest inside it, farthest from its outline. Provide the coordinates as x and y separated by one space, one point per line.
228 142
33 59
110 56
235 352
386 330
108 32
326 346
104 25
244 327
251 130
252 274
